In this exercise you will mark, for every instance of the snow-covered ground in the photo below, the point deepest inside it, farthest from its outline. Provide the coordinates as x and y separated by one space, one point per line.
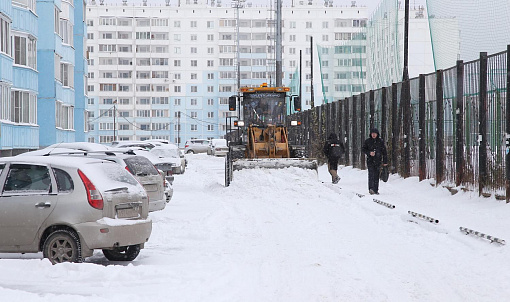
283 235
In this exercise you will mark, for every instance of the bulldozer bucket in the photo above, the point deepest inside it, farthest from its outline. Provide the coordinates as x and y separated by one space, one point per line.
274 163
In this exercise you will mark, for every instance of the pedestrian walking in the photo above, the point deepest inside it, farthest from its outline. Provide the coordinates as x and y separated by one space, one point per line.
375 150
333 149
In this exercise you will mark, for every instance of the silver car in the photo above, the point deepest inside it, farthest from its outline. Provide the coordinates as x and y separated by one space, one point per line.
196 146
66 207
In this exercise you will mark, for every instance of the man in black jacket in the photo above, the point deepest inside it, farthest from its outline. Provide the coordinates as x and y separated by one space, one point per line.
375 150
333 149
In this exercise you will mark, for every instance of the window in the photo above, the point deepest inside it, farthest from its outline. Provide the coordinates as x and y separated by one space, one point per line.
194 76
23 106
325 24
66 31
292 24
210 102
308 24
194 89
210 88
194 102
194 37
107 87
292 38
177 24
194 63
210 37
25 179
210 114
56 21
177 102
210 76
193 114
193 24
25 51
210 63
67 74
90 36
210 127
177 63
194 127
193 50
177 88
177 37
210 24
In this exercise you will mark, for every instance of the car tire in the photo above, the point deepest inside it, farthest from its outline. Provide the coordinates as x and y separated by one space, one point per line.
124 253
190 152
62 246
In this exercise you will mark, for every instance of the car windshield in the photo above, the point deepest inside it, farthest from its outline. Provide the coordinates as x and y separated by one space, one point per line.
140 166
164 152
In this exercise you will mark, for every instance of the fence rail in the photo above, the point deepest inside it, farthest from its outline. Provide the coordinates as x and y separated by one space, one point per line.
451 126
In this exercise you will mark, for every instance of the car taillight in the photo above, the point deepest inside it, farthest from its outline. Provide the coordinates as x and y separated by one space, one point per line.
93 195
129 170
186 146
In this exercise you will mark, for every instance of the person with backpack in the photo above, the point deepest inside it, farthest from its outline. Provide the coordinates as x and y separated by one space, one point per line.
333 149
375 150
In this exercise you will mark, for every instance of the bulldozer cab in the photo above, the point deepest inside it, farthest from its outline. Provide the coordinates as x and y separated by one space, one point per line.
264 108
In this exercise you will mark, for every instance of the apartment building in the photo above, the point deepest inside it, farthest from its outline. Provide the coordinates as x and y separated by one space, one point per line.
19 131
60 52
164 71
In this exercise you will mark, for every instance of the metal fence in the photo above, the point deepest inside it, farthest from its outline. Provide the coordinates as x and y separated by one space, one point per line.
449 126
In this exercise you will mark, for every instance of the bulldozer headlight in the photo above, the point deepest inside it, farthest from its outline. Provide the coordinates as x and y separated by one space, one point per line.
293 123
240 123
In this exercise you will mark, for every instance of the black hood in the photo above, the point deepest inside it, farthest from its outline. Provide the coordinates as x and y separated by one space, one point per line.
332 136
374 130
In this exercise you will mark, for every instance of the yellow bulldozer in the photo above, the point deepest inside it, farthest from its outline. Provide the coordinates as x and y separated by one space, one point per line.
263 141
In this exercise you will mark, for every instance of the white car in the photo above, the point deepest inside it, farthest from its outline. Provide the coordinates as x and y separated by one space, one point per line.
218 147
172 154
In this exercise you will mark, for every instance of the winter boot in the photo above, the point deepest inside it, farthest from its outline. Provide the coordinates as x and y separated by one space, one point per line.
336 180
372 192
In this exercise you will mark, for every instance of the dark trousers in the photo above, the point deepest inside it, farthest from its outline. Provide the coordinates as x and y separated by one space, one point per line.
373 177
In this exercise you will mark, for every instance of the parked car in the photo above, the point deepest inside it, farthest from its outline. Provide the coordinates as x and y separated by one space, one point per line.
165 165
133 144
67 207
196 146
172 154
218 147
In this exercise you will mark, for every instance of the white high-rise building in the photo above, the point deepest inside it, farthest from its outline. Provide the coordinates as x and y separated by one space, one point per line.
167 71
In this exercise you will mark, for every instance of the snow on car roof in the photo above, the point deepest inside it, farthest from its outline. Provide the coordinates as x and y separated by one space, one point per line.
85 146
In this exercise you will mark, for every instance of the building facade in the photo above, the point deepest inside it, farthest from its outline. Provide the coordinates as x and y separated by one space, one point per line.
62 69
167 71
19 131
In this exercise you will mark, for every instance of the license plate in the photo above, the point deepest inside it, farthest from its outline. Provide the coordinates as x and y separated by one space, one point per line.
128 213
150 188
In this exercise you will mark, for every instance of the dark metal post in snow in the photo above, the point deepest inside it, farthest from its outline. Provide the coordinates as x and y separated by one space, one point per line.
394 128
363 127
421 122
507 125
483 123
341 128
355 137
459 113
405 102
439 128
384 115
372 110
346 130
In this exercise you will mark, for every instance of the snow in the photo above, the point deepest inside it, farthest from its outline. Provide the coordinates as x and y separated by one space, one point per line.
283 235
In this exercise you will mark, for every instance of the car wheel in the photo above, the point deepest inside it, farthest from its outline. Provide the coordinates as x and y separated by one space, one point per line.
190 152
183 169
124 253
62 246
